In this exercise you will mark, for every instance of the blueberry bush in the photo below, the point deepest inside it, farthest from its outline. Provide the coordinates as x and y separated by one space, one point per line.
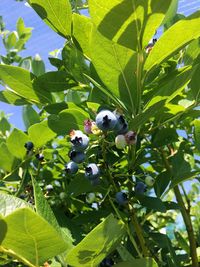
107 170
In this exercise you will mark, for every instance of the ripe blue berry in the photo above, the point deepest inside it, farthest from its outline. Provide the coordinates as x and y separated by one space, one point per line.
121 198
40 157
92 171
80 142
71 167
106 120
140 188
77 156
49 187
29 146
121 126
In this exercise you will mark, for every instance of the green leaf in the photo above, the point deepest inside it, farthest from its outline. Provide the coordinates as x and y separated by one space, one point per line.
182 242
82 28
44 210
35 240
192 52
40 134
152 203
30 116
113 67
16 142
9 203
169 87
145 262
129 23
173 40
6 158
67 120
55 108
197 133
4 125
162 182
180 167
89 252
21 82
38 66
194 84
171 12
56 14
164 137
55 81
12 98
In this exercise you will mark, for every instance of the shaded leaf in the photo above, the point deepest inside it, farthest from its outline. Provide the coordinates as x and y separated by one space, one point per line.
30 116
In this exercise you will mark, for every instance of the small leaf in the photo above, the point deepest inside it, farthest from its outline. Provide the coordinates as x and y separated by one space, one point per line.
38 66
55 81
30 116
40 134
21 82
197 133
12 98
89 252
57 14
16 142
6 157
164 137
67 120
152 203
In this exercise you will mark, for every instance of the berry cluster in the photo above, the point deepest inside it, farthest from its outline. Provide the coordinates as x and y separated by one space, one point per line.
30 150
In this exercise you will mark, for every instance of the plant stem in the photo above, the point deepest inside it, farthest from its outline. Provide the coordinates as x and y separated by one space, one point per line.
127 228
185 215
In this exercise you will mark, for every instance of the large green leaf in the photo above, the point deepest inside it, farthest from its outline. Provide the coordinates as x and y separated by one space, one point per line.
34 242
82 27
145 262
44 210
40 134
171 12
9 203
103 239
16 142
55 81
67 120
174 40
116 67
57 14
129 23
6 158
152 203
21 82
194 84
170 86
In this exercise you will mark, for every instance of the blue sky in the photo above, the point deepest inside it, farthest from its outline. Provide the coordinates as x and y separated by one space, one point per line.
44 40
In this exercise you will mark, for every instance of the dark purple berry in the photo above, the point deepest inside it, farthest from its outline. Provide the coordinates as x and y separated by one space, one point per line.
121 198
71 167
29 146
140 188
92 171
77 156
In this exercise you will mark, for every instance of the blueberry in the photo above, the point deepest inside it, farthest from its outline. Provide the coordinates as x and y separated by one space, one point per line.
29 146
140 188
120 141
121 126
92 171
107 262
106 120
40 157
149 181
71 167
77 156
121 198
80 142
